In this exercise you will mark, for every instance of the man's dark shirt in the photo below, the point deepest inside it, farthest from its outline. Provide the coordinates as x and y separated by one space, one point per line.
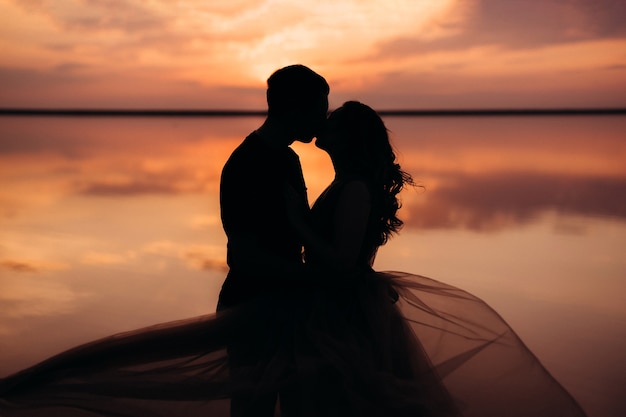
252 202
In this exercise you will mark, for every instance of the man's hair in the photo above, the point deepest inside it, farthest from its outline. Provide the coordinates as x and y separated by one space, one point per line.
294 87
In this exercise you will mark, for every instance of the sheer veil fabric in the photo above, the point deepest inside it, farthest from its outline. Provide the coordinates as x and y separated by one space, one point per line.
438 351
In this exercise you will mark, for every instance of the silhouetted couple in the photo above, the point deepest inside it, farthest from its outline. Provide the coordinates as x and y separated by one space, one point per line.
303 319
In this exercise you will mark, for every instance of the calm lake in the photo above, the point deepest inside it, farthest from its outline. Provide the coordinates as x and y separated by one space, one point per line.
112 223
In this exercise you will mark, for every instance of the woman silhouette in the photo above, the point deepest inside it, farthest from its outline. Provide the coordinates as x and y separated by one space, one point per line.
422 347
345 340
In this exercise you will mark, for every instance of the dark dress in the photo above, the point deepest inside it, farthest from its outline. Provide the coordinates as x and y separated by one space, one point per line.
360 344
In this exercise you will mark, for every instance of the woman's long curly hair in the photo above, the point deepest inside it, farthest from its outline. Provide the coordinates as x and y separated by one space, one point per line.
366 149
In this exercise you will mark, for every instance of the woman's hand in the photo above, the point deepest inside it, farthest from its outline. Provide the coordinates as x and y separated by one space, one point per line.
297 211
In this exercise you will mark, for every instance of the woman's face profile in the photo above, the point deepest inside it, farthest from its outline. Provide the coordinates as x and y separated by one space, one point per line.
329 137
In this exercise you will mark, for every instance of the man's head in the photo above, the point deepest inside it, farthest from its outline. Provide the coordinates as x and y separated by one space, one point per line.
297 97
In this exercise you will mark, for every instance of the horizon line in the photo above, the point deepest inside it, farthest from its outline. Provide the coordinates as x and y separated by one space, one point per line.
18 111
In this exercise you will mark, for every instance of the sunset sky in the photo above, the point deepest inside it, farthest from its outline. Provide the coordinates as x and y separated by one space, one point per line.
391 54
97 214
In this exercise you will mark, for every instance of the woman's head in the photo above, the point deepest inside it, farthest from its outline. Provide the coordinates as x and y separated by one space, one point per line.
356 139
358 143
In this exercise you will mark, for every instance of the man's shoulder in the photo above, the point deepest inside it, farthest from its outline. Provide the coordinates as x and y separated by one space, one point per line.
245 153
248 145
253 151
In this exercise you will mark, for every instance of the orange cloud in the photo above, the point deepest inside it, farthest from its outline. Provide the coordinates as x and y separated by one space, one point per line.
30 266
206 258
107 258
195 256
18 266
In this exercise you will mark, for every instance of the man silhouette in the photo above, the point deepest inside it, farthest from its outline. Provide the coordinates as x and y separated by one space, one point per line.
263 248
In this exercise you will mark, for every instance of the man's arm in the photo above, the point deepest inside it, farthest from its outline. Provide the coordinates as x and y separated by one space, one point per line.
250 256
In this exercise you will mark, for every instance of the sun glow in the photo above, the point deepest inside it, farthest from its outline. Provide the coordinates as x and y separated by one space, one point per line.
332 32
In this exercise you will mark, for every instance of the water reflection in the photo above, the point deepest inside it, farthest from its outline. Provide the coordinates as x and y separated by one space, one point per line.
108 224
490 173
487 202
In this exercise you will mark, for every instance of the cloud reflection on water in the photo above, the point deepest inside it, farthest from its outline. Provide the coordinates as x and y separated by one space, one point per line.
493 202
488 174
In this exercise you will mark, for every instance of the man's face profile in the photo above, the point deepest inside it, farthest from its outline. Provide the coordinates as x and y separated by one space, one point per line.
312 119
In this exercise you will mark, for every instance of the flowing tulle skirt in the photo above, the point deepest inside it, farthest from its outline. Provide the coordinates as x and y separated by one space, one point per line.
380 344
